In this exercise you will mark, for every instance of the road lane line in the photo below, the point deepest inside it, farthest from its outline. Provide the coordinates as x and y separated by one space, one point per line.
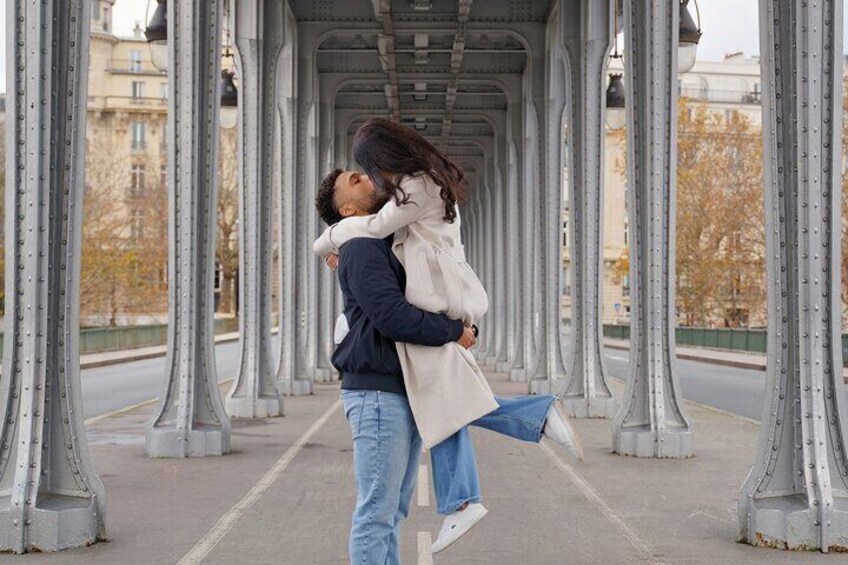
97 419
424 543
589 492
423 486
207 543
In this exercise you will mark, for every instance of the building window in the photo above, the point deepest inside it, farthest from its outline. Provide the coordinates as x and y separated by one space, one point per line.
137 89
163 175
95 10
135 61
137 181
106 19
626 233
163 90
138 136
136 223
625 286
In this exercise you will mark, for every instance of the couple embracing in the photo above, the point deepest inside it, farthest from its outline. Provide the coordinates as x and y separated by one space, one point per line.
411 302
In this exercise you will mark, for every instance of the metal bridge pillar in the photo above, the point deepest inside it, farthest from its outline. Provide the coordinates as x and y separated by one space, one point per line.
289 379
652 421
796 495
549 373
51 497
587 23
514 359
498 193
259 39
190 419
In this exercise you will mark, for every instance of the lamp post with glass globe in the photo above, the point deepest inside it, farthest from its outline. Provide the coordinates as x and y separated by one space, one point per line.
690 36
157 36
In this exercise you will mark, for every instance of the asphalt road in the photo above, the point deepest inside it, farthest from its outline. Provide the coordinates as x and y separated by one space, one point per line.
110 388
739 391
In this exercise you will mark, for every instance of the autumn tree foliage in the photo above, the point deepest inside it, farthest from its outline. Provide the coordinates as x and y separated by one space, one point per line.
125 234
226 247
720 247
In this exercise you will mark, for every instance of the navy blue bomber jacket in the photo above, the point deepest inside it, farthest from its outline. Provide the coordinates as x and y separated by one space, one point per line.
373 282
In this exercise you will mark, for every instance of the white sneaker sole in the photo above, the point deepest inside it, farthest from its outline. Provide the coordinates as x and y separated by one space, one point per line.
459 532
578 446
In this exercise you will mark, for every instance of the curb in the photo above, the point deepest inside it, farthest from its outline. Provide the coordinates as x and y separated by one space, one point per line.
129 357
695 357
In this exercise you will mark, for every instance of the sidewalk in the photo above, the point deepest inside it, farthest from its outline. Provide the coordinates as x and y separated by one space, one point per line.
284 496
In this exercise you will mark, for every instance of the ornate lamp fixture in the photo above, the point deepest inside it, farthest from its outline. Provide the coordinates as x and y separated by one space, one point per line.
616 114
690 36
157 35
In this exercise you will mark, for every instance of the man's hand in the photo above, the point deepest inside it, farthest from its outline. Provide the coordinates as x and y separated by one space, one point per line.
467 339
332 261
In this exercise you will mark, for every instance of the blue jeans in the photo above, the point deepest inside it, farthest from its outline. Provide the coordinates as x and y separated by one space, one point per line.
386 452
454 466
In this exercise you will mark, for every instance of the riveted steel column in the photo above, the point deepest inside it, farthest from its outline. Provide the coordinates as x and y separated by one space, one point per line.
289 377
259 39
190 419
586 393
652 421
497 194
51 497
549 371
514 358
796 495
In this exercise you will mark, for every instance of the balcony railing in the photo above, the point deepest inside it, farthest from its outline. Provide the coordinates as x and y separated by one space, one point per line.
133 67
726 96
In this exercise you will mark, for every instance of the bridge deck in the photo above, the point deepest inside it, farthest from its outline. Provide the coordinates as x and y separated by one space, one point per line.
270 507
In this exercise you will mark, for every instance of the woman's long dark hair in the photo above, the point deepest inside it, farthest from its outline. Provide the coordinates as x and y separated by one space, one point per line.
384 146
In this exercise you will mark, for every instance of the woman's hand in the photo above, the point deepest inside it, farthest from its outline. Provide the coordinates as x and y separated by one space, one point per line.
467 339
332 261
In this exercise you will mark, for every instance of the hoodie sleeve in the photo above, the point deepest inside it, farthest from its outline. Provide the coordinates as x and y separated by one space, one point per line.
375 287
387 221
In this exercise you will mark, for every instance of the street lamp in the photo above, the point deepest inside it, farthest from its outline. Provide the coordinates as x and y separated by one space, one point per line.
157 36
616 115
690 35
229 92
229 100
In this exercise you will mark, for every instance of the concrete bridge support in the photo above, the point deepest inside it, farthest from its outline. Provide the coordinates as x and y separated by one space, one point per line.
796 496
190 419
652 421
51 497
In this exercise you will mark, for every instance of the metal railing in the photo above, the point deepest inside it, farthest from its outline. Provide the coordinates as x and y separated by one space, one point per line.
101 340
750 340
727 96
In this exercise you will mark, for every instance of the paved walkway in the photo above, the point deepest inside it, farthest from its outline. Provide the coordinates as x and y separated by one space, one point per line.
285 495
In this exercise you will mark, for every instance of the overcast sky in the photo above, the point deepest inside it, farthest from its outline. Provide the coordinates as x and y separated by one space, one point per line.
729 26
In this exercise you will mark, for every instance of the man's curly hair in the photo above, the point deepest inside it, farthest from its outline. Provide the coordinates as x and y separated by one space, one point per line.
325 200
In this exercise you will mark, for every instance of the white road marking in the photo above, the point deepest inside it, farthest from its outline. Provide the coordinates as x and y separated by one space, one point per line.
423 486
589 492
207 543
424 543
97 419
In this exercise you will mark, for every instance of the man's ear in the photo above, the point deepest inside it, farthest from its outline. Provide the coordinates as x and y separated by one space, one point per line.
347 210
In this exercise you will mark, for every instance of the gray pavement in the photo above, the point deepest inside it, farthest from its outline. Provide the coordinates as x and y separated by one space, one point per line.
285 496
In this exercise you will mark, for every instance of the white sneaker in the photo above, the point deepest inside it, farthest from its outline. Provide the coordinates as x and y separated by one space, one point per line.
559 430
458 524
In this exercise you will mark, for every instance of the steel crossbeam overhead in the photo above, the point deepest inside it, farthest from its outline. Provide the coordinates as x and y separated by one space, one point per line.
586 38
51 498
259 42
190 419
796 495
652 421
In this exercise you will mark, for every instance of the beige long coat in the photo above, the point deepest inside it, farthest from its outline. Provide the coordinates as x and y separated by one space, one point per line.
445 387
